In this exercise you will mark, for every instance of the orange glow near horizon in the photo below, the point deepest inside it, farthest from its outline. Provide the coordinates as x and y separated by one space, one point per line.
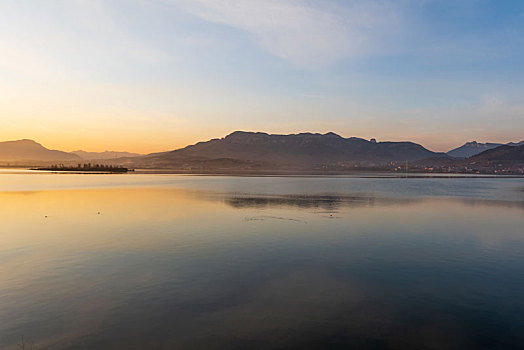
149 141
125 141
148 77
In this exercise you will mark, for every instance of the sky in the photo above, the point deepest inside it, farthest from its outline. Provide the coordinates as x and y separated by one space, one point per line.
155 75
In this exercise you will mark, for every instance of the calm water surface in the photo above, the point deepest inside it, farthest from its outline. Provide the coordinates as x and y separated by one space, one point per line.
135 261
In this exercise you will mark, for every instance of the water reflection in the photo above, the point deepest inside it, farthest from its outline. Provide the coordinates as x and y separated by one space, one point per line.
326 202
188 268
331 203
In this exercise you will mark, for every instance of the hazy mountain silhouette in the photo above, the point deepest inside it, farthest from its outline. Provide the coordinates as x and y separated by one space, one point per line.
305 150
472 148
103 155
29 150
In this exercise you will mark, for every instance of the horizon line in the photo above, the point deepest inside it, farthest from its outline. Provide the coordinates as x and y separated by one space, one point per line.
254 132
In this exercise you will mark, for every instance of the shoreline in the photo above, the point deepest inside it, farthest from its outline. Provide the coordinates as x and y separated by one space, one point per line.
356 174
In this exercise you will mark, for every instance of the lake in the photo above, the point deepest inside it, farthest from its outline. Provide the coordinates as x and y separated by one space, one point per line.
160 261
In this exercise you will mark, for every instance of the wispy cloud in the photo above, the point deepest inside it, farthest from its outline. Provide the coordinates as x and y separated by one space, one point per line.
302 32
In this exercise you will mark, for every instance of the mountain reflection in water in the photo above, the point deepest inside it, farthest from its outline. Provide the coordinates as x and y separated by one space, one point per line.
333 202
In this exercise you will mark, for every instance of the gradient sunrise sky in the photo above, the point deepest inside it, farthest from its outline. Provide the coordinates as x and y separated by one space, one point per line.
155 75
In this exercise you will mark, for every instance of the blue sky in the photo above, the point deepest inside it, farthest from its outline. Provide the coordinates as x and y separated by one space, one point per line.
155 75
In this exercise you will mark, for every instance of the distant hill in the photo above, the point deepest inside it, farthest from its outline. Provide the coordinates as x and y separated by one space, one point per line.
305 150
472 148
103 155
501 153
31 151
503 159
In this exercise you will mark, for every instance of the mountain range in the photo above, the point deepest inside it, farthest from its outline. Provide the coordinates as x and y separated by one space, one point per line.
258 151
305 150
30 151
472 148
504 159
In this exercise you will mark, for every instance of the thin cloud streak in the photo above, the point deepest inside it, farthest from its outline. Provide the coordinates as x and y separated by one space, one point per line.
308 36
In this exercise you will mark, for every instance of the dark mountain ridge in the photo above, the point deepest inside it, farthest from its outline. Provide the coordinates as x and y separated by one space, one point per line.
304 150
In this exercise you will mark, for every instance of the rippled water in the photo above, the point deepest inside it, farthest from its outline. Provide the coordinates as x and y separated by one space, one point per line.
137 261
